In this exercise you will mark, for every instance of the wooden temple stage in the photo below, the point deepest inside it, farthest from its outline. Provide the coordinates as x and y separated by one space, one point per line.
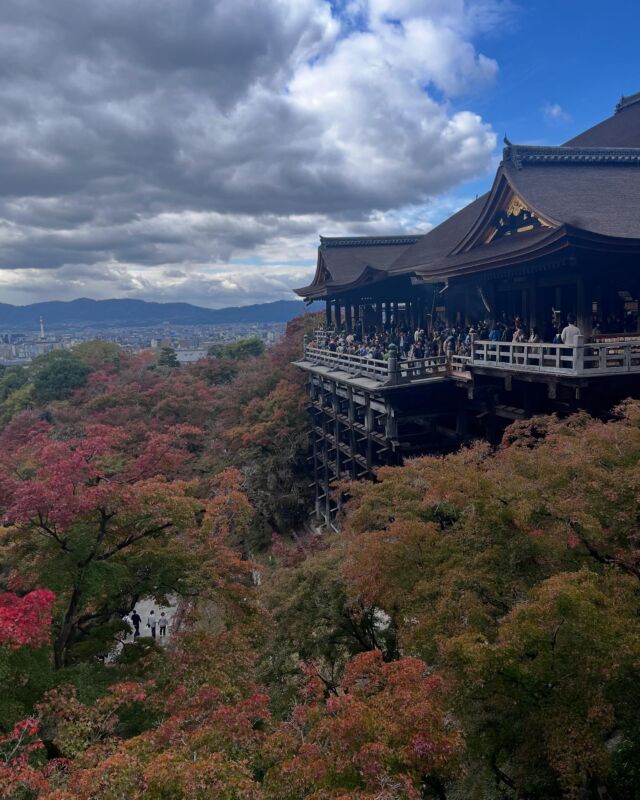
557 236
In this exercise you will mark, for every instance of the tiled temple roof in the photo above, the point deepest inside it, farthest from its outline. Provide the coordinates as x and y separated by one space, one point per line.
589 187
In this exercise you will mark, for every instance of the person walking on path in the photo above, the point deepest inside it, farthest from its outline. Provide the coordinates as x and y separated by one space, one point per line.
152 623
136 619
162 624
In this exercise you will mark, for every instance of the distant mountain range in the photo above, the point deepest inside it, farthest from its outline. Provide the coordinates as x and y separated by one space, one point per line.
130 313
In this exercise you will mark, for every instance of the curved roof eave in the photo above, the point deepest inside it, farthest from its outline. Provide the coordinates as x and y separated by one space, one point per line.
368 274
531 247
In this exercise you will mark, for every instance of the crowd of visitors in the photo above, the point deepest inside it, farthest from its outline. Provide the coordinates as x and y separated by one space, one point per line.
442 340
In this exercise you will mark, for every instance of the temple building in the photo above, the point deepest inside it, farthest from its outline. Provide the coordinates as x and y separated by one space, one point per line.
555 241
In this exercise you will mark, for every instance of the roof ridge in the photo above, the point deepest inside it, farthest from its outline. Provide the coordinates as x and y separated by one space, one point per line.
521 154
365 241
627 101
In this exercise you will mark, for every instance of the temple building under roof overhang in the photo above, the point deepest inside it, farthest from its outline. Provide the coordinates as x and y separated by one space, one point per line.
555 242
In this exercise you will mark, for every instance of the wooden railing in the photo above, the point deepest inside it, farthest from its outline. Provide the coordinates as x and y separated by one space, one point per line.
416 368
611 357
356 365
390 371
459 365
583 359
525 356
589 359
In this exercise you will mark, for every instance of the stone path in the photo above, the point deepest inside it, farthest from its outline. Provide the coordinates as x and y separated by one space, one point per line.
144 607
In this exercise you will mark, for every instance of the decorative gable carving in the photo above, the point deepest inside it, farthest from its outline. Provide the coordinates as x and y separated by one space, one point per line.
505 213
512 220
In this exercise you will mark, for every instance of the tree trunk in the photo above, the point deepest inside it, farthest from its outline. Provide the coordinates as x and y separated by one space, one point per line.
433 787
66 629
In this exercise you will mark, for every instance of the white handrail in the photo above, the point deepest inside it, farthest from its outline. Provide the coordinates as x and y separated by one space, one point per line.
393 370
590 359
348 361
525 356
582 359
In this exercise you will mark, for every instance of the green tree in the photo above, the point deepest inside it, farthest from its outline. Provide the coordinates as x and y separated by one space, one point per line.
12 379
56 375
550 700
16 392
168 358
517 574
100 525
313 620
97 354
238 351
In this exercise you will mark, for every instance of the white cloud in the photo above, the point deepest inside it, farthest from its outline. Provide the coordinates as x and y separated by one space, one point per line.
554 112
199 146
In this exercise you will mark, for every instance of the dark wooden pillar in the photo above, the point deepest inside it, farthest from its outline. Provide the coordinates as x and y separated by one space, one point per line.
348 317
369 426
558 301
583 307
535 315
328 313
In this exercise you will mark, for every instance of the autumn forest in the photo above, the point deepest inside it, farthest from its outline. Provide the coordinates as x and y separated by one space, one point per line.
472 633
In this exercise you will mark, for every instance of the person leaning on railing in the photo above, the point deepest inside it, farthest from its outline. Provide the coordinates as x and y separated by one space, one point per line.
570 332
442 340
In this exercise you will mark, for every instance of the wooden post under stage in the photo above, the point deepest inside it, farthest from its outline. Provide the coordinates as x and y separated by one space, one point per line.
338 315
328 313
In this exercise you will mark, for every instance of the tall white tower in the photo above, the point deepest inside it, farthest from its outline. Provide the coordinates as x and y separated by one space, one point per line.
42 336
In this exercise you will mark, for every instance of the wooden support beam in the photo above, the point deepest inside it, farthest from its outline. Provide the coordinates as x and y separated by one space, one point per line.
391 425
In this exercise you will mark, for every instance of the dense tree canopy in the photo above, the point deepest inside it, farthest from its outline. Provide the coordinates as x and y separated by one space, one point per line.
167 358
517 573
473 631
238 351
55 375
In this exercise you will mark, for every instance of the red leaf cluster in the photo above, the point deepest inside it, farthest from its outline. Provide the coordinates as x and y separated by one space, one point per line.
25 620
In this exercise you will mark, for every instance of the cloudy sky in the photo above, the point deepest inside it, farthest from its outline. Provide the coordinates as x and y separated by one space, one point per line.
194 149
